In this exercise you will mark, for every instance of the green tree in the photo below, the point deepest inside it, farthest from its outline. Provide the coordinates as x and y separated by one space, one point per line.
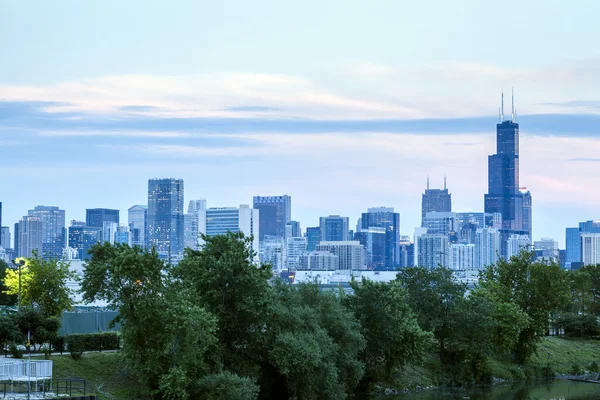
226 386
165 333
5 298
393 335
42 327
43 285
540 289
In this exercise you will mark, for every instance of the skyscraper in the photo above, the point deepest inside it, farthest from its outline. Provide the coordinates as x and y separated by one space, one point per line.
432 250
374 241
389 221
439 200
191 222
138 225
590 248
274 213
81 238
96 217
487 247
53 230
165 216
220 220
573 240
516 244
334 228
461 256
313 237
30 236
505 196
5 237
292 229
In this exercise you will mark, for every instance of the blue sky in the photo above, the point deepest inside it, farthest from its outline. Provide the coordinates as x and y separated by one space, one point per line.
343 105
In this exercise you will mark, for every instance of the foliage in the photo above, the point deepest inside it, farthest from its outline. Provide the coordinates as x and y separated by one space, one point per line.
9 331
538 288
93 341
226 386
5 298
585 289
389 326
579 325
15 352
43 328
43 285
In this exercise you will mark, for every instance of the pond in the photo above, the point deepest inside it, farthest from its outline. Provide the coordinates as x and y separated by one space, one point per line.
537 390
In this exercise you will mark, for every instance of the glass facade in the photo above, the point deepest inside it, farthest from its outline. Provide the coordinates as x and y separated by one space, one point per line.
439 200
334 228
313 237
81 238
165 216
96 217
219 221
53 230
387 219
138 225
274 213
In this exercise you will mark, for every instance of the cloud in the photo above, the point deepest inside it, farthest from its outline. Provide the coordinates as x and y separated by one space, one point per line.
252 109
580 159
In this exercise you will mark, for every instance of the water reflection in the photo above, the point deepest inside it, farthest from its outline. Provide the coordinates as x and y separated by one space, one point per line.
538 390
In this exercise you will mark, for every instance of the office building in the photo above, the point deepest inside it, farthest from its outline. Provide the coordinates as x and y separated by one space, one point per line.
191 223
220 220
441 223
5 241
96 217
439 200
81 238
273 252
313 237
76 223
109 231
138 224
274 213
461 256
573 240
165 216
319 261
292 229
374 241
53 230
407 252
590 248
516 244
123 235
294 250
351 253
30 233
389 221
546 248
432 250
505 196
487 247
334 228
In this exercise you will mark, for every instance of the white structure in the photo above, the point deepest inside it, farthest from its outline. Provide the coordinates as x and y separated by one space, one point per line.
138 225
273 251
350 252
295 247
548 247
590 248
109 231
220 220
440 222
29 236
418 232
192 223
70 253
487 247
5 237
516 243
461 257
319 261
432 250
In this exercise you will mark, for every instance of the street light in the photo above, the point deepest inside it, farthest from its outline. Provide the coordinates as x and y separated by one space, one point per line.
19 264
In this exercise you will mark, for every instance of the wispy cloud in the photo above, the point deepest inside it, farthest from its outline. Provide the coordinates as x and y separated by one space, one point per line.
584 159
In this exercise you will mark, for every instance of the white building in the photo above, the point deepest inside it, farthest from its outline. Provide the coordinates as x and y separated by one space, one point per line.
487 247
590 248
295 248
192 223
273 251
461 257
547 247
319 261
350 252
138 225
418 232
432 250
516 243
220 220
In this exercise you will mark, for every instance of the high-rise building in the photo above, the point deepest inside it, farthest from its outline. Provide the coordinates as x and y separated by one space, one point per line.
138 225
273 252
442 223
295 248
334 228
319 261
573 240
407 252
30 234
546 248
351 253
5 237
81 238
374 241
53 230
313 237
191 223
487 247
292 229
517 243
432 250
505 196
275 212
16 247
439 200
165 216
96 217
590 248
220 220
461 256
389 221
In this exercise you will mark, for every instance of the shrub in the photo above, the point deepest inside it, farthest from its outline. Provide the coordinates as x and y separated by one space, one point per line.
15 351
93 341
594 367
576 369
76 351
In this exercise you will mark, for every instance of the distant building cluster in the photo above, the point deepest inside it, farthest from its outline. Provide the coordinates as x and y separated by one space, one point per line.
462 241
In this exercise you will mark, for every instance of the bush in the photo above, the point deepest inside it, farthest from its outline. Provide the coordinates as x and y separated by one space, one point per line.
93 341
594 367
226 386
15 352
576 369
76 351
579 325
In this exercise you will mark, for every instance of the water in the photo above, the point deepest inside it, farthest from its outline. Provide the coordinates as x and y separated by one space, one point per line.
537 390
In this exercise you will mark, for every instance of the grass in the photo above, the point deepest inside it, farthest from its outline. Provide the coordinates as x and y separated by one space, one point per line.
104 374
562 354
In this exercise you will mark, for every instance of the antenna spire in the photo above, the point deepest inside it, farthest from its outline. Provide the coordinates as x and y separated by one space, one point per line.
502 107
427 182
444 182
513 104
499 115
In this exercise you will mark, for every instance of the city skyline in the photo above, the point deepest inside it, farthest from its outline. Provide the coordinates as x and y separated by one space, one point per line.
339 118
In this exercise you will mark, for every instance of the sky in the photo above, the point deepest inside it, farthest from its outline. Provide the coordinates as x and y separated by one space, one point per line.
342 105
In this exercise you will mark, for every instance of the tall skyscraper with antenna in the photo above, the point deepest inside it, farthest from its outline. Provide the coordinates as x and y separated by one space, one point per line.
439 200
505 195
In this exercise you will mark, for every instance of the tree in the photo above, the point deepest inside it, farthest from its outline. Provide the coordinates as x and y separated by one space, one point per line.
165 333
226 386
43 285
393 337
42 327
5 299
539 289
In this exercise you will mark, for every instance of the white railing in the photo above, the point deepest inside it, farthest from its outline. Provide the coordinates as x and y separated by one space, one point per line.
24 370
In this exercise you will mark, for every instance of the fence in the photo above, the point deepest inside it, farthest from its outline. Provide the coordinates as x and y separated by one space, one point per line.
87 322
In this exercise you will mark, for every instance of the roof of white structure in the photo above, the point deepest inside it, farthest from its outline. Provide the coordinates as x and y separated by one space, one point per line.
343 276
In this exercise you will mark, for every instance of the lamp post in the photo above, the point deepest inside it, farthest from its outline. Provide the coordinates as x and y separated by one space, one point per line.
19 264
